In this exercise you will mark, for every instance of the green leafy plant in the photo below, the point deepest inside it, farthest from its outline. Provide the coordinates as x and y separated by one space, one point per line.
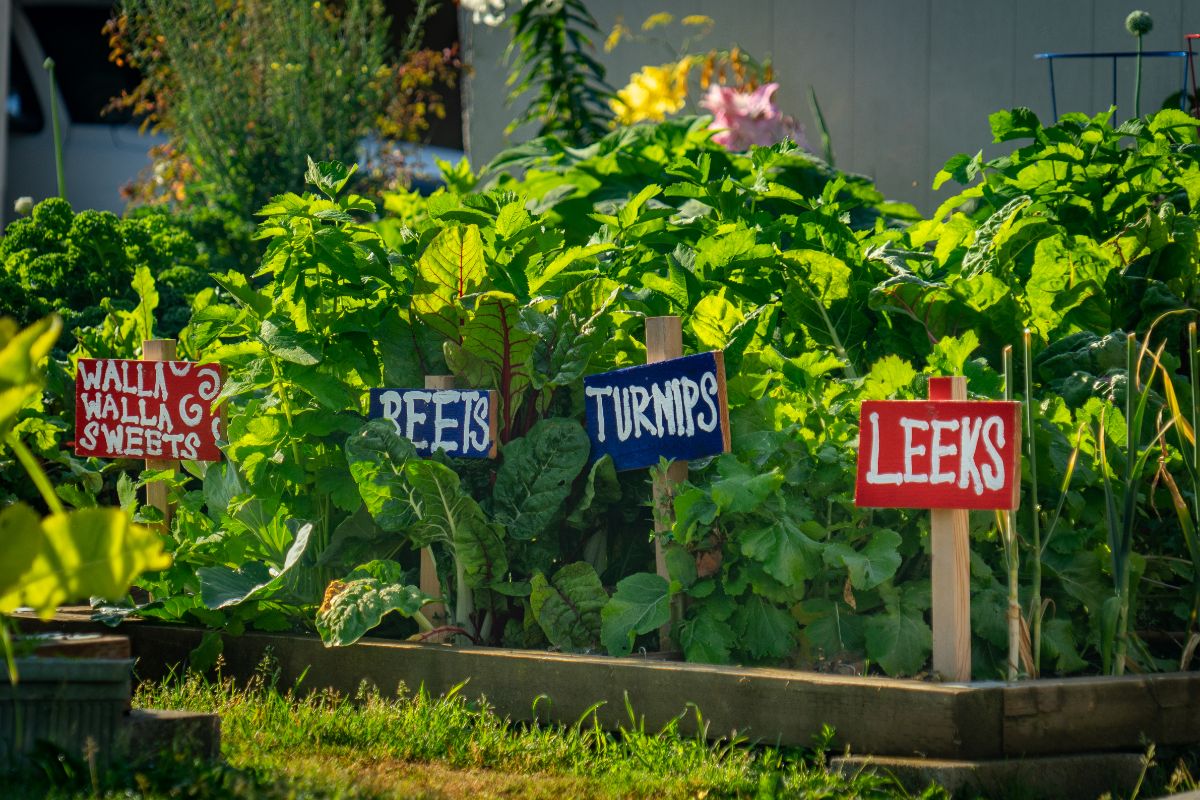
69 554
550 58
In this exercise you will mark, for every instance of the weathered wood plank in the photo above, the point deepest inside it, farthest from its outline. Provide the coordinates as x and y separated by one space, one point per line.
1073 715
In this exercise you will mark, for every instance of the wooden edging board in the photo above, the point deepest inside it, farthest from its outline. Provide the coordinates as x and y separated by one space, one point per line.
878 716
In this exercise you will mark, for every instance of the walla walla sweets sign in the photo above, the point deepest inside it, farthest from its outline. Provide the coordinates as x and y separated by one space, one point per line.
460 422
146 409
674 409
939 454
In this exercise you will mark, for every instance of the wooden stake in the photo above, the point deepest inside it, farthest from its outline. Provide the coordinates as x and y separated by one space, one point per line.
950 545
664 341
430 584
156 493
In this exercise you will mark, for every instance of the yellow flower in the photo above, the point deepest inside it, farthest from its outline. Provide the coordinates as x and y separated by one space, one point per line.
653 93
657 20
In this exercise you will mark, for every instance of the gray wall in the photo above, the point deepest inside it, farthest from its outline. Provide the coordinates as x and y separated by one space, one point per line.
903 84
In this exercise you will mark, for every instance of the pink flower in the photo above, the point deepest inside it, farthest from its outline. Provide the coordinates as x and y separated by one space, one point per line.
742 119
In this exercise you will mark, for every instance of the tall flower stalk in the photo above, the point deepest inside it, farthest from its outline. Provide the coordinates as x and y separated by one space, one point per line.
1138 23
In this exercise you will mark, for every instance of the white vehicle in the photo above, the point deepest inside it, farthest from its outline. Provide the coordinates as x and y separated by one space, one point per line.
101 152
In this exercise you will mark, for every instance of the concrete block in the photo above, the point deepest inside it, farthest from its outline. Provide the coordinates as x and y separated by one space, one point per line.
1085 777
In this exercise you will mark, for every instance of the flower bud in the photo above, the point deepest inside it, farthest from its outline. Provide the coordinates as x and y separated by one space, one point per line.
1139 23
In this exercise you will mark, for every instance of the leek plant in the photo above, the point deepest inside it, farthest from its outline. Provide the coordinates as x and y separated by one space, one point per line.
1121 500
1186 419
1035 513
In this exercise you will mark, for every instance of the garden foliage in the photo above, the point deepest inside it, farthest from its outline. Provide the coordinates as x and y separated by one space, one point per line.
541 269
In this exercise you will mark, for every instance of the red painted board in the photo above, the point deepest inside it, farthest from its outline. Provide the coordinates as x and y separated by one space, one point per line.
939 454
127 408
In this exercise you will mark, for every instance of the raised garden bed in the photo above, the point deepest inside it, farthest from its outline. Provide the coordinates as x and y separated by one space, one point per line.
878 716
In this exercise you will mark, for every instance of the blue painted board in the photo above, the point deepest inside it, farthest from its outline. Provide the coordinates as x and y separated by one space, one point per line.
461 422
673 409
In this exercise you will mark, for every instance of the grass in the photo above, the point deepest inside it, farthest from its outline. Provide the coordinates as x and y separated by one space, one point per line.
280 743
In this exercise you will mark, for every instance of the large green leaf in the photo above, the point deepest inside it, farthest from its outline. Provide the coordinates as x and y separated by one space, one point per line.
222 586
21 534
642 603
536 476
870 566
21 352
601 489
764 630
786 553
351 609
494 336
444 512
568 606
706 638
377 454
451 266
899 640
86 552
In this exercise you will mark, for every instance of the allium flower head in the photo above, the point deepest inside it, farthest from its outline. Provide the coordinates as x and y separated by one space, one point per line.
742 119
653 93
1139 23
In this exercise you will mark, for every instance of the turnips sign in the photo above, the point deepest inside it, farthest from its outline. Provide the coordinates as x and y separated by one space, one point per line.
146 409
673 409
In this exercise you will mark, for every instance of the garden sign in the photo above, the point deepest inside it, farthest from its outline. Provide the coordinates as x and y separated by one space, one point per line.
152 410
949 455
674 409
459 422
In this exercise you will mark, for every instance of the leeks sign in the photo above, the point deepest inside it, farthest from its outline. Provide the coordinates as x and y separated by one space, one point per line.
939 454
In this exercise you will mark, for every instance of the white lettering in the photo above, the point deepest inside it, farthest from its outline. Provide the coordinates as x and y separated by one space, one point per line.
641 402
873 474
599 392
993 474
664 408
968 470
911 450
483 419
708 391
412 418
937 450
440 423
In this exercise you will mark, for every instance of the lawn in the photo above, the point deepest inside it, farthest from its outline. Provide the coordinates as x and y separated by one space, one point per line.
282 743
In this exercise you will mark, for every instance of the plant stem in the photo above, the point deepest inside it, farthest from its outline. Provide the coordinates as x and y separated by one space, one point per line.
58 151
1121 559
1035 599
36 473
464 601
1012 555
1137 81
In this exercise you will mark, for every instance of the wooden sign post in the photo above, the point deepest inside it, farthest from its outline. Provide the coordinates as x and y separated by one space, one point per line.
155 408
664 341
673 407
949 455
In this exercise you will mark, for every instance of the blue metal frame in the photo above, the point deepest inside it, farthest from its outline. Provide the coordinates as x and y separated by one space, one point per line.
1183 55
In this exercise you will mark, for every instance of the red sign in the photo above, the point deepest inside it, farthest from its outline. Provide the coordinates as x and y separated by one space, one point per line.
939 454
146 409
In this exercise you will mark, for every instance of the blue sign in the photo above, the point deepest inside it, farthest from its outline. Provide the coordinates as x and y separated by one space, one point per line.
460 422
672 409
